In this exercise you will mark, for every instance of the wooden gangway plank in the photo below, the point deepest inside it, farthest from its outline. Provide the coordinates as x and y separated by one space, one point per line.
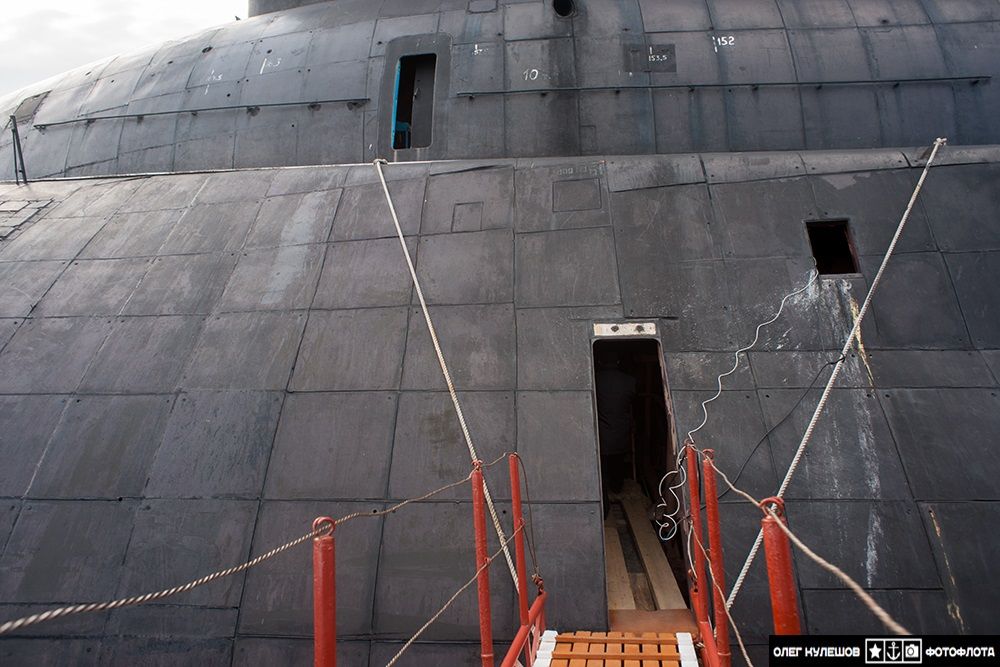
666 593
619 583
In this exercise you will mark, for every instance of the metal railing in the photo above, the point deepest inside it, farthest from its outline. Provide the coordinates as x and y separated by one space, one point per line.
532 617
708 565
20 173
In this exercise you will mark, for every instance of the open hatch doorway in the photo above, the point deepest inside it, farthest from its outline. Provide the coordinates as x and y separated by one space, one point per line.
413 102
637 447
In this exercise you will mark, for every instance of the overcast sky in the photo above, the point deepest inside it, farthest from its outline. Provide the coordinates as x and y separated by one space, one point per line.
41 38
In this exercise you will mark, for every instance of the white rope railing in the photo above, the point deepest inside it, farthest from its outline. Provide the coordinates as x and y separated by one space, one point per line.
876 609
455 596
855 331
444 366
53 614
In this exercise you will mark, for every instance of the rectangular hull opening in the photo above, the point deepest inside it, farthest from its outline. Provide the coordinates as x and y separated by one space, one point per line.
413 110
637 448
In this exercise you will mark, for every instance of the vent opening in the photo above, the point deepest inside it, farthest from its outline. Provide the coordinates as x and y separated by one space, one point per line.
413 104
832 247
563 7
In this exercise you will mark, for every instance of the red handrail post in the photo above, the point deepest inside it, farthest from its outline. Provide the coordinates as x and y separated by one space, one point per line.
482 560
780 573
715 554
324 596
710 653
522 577
523 639
528 637
698 584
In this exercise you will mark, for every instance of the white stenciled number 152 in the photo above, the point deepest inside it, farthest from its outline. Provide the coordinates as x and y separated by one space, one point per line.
723 40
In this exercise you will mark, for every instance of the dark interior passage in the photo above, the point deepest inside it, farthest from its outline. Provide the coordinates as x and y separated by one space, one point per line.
636 446
414 102
832 246
633 425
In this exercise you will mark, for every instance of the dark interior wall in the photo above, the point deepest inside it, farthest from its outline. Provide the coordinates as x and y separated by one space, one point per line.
194 366
650 448
522 81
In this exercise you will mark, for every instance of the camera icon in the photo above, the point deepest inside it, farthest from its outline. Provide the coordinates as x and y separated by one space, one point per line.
911 651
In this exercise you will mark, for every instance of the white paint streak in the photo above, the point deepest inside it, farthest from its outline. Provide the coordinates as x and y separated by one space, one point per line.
868 460
281 282
801 302
871 547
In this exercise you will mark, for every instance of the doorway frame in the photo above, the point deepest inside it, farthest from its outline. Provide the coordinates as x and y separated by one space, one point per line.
632 330
645 334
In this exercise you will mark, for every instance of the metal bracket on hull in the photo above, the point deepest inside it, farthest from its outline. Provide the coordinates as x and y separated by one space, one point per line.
625 329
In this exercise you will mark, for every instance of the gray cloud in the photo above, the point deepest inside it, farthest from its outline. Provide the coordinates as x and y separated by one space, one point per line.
55 36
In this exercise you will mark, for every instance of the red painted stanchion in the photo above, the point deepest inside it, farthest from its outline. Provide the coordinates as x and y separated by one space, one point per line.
523 639
699 585
710 655
528 638
715 554
780 575
324 596
522 577
483 578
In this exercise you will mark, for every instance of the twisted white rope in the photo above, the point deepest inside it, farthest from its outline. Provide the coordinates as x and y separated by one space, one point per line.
867 599
444 366
855 331
52 614
722 594
465 586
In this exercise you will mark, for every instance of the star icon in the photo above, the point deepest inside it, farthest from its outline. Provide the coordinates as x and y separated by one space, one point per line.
876 651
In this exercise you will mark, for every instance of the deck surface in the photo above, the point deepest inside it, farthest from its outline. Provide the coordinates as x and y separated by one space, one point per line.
616 649
666 620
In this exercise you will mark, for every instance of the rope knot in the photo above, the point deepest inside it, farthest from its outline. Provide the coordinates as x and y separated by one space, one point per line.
773 505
